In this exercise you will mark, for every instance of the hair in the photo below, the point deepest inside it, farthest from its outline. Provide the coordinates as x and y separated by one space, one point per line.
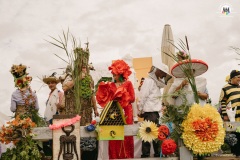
121 78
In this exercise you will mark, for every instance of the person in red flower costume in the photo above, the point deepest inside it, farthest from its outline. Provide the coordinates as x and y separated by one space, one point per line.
121 90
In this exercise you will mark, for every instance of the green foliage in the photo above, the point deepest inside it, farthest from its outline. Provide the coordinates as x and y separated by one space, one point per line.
85 87
176 115
76 58
25 149
35 117
103 79
226 148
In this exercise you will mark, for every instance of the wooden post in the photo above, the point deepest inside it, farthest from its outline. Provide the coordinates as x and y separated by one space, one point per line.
72 148
185 154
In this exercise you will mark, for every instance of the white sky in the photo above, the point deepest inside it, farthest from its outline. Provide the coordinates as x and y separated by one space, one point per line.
114 28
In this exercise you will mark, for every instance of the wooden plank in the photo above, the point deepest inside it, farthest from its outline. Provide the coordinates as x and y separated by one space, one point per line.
44 133
231 126
155 158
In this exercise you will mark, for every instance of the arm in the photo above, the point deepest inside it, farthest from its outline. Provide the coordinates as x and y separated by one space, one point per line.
95 105
93 98
223 104
36 102
183 84
67 84
131 91
144 93
202 96
13 104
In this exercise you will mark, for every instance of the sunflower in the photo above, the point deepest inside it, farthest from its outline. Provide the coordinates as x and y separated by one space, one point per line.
148 131
203 130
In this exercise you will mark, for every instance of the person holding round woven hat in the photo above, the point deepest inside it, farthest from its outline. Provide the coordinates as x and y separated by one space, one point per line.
24 101
150 105
230 94
198 67
55 97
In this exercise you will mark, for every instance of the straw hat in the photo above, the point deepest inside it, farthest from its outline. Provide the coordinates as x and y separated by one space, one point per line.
51 78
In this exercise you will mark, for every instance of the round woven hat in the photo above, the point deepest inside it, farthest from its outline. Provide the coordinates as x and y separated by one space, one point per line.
51 78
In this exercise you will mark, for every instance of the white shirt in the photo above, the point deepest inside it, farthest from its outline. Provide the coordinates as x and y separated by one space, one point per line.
201 83
51 108
149 97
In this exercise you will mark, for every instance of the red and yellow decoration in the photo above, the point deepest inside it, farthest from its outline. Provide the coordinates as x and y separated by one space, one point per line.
107 91
203 130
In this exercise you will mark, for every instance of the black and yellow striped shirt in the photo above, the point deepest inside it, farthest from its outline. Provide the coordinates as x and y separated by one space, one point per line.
230 93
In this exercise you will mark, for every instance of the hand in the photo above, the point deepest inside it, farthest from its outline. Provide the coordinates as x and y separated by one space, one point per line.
199 94
140 113
184 83
59 106
135 119
225 118
164 109
96 113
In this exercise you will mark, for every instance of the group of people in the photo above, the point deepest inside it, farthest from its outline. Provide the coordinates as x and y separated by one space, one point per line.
149 104
24 101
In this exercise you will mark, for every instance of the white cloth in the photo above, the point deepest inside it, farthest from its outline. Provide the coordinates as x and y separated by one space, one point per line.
201 83
51 108
231 112
149 97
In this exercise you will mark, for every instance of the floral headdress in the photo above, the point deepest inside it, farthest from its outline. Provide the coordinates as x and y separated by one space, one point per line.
20 75
120 67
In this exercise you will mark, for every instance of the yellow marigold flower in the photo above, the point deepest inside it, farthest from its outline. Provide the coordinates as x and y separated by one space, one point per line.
148 131
203 130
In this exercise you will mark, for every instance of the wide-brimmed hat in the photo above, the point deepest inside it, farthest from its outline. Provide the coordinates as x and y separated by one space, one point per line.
198 66
52 78
162 67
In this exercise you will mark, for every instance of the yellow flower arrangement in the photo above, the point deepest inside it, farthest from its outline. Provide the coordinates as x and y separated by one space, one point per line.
203 130
148 131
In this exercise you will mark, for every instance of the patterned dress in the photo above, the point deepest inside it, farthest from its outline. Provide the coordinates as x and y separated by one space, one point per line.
125 148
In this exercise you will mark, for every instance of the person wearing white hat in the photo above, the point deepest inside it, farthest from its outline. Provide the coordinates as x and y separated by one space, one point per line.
150 104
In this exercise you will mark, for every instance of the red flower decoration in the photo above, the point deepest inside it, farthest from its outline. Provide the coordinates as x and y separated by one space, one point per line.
119 67
122 96
105 93
163 132
168 146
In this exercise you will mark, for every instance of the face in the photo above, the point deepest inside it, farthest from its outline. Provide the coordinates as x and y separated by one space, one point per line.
160 74
116 77
84 69
52 85
236 80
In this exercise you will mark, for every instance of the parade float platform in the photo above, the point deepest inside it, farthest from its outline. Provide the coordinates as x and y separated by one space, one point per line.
44 133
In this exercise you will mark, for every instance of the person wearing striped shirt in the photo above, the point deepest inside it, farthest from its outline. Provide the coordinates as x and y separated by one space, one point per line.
230 93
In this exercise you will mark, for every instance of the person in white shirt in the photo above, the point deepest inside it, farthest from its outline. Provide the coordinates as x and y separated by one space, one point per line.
150 103
55 97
